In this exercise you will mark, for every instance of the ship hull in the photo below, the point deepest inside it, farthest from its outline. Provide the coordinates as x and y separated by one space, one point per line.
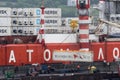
20 54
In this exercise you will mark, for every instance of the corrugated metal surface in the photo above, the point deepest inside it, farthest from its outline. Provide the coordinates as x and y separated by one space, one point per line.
5 21
24 30
26 12
26 21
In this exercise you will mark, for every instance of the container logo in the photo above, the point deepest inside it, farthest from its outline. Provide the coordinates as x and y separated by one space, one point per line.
37 21
3 30
3 12
38 12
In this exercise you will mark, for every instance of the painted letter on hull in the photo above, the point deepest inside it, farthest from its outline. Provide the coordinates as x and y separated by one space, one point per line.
109 51
113 49
12 57
99 51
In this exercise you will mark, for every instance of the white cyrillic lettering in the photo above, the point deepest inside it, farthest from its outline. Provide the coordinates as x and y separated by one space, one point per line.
100 55
47 52
29 54
12 57
116 53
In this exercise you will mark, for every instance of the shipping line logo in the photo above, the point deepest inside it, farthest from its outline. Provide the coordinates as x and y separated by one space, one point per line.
38 12
3 11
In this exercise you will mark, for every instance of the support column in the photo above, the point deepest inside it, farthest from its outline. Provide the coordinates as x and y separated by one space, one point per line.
40 36
84 21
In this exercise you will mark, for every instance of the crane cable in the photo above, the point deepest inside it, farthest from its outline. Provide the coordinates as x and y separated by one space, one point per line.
98 27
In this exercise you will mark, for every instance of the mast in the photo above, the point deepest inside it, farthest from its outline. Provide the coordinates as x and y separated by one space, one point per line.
40 37
84 21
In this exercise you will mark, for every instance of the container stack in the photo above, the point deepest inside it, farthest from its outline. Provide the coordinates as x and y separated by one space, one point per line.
27 21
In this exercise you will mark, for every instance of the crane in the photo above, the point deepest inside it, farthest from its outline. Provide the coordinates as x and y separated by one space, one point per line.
102 21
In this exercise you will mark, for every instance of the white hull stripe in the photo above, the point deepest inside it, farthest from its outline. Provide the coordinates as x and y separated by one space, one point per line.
85 21
84 31
84 40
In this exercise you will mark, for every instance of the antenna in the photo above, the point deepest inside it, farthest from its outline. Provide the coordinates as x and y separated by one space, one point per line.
42 5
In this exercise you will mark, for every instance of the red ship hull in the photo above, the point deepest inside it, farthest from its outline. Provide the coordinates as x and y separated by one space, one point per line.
19 54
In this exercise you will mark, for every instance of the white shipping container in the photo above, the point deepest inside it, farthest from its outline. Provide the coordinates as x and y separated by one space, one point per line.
20 30
14 30
31 30
34 21
5 11
25 21
5 31
14 21
52 21
37 12
5 21
26 12
52 12
68 20
25 30
36 30
20 21
114 30
31 12
14 12
20 12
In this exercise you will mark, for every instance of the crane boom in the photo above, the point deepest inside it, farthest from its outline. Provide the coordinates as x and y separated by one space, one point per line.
110 23
102 21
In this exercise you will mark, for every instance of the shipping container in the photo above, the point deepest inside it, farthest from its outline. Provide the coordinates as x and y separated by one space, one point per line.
25 21
5 21
20 21
18 30
31 30
26 31
114 30
26 12
68 20
20 12
5 31
14 12
14 21
14 30
5 12
36 12
34 21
